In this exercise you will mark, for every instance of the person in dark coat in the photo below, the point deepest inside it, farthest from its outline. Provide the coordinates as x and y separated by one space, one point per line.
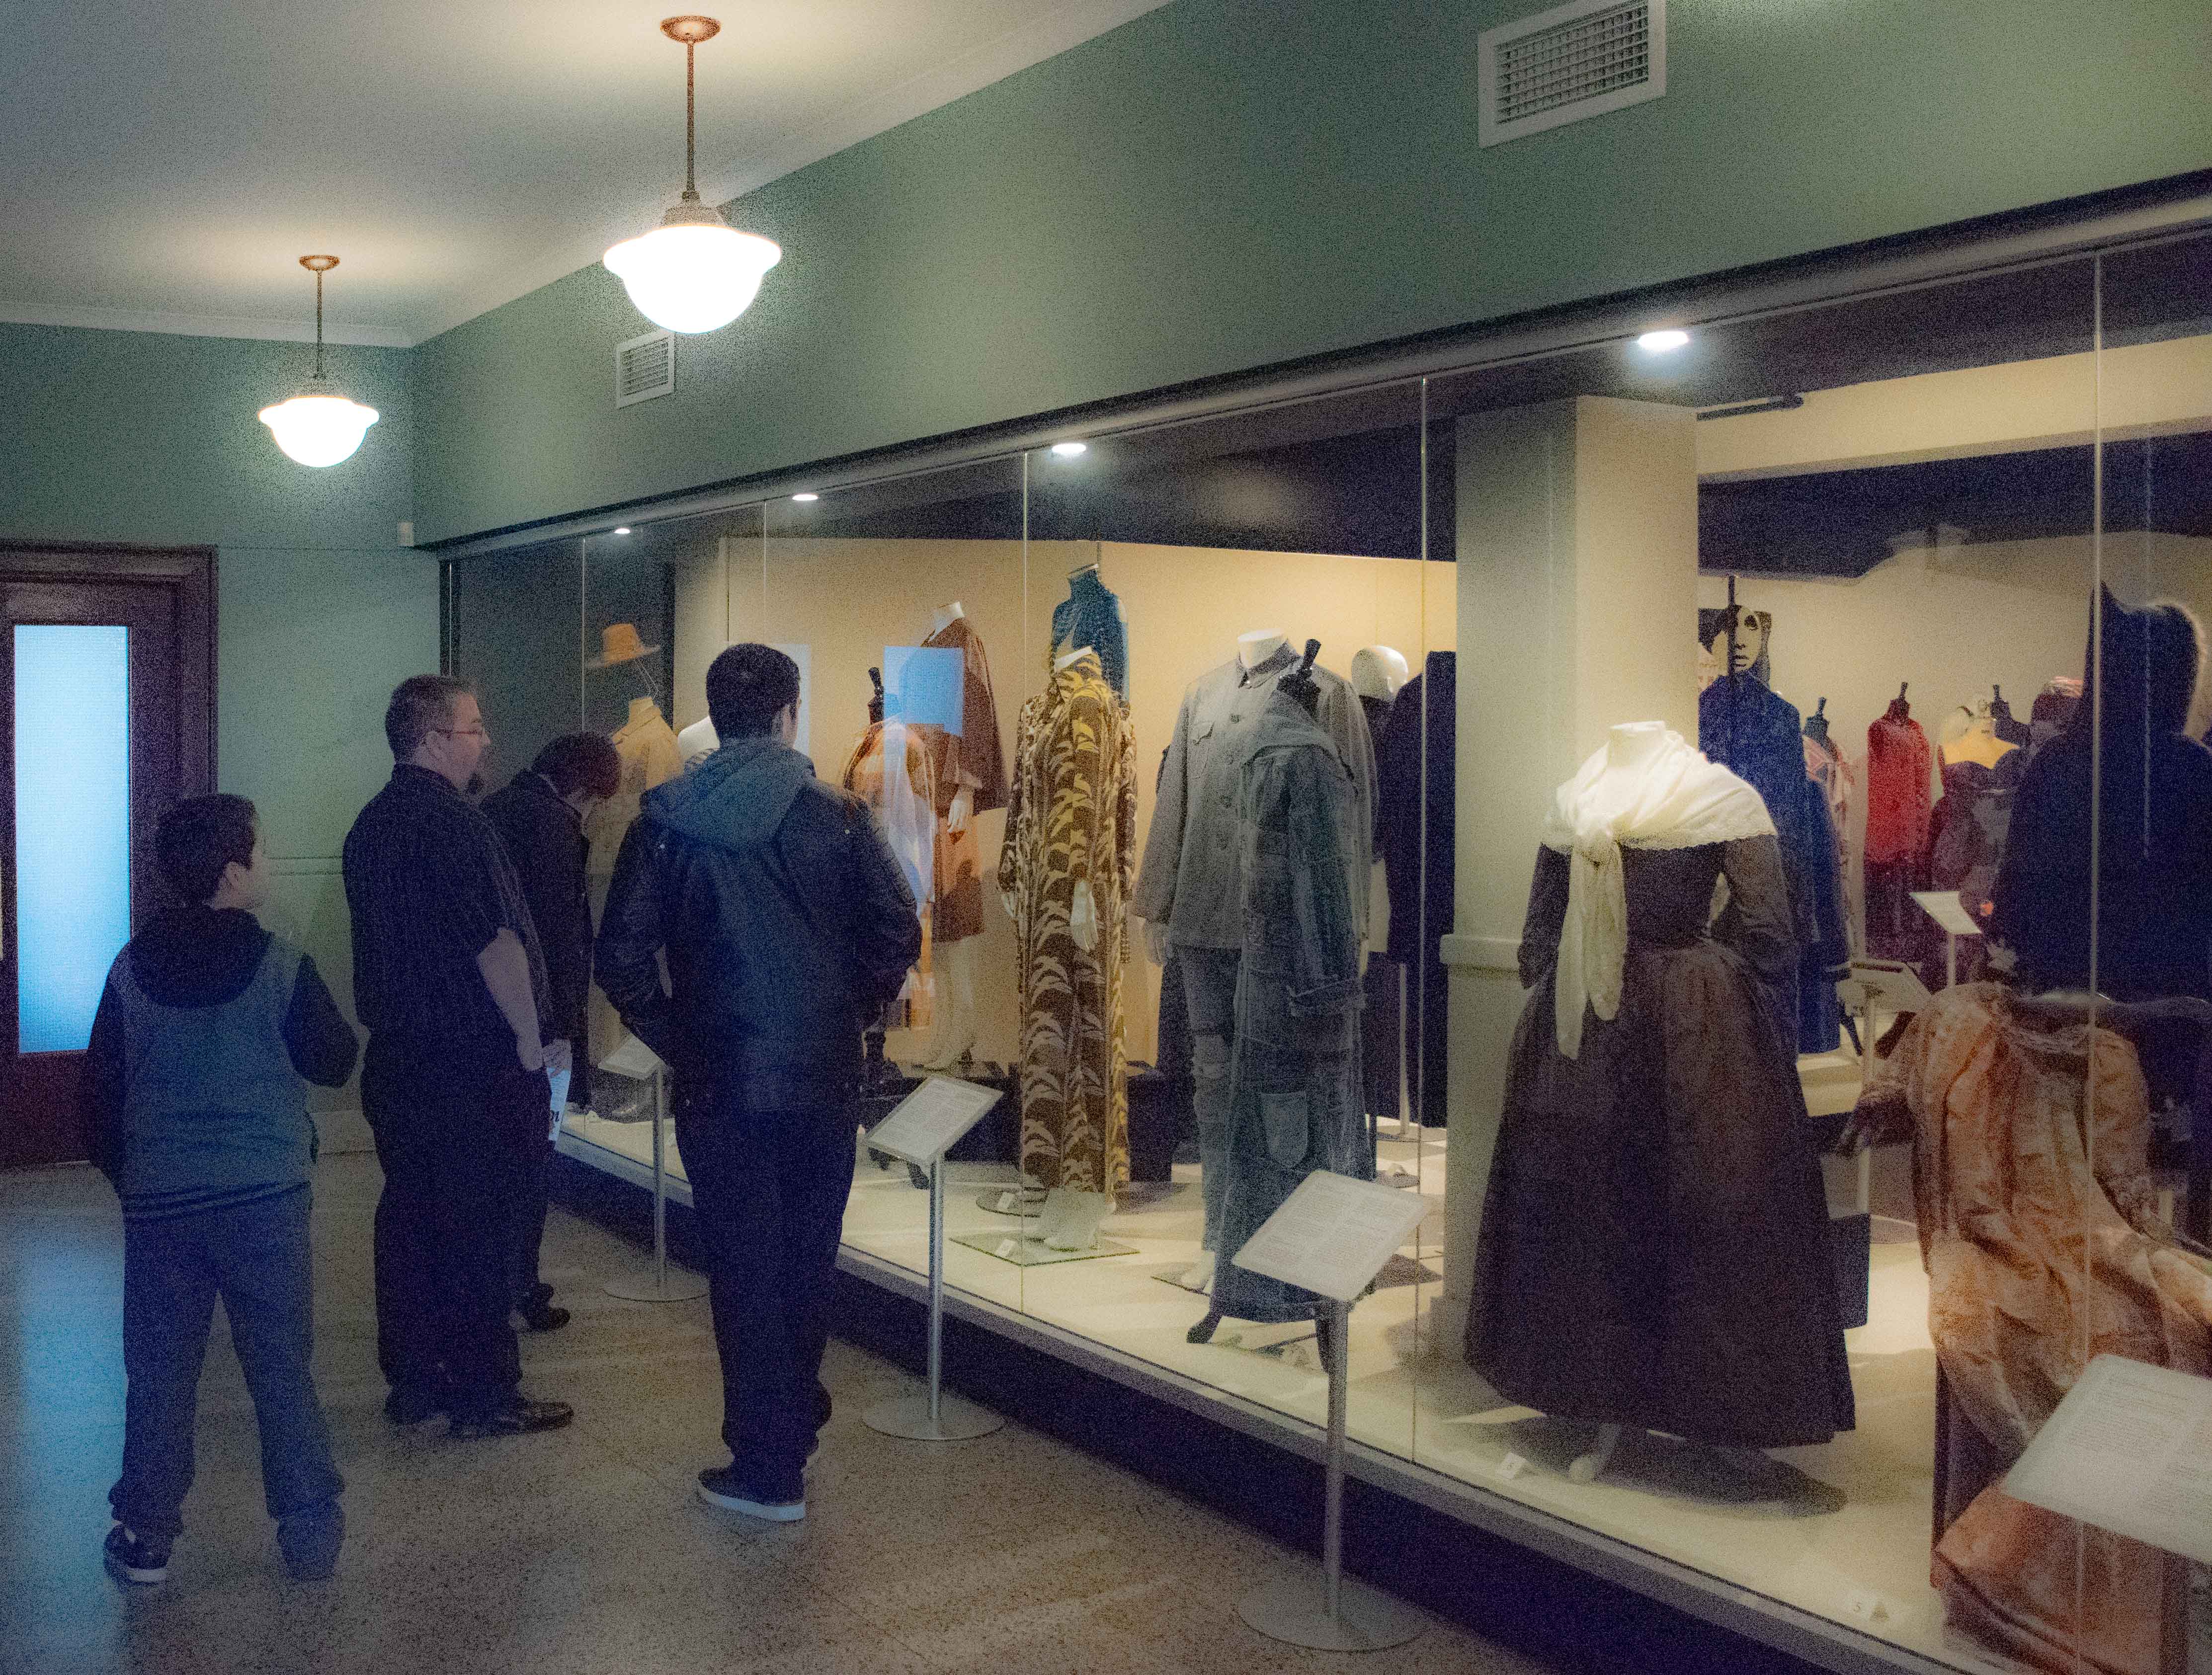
787 927
540 818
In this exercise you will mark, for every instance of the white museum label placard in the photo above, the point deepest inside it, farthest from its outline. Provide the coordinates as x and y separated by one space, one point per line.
1332 1235
2128 1450
932 1117
632 1058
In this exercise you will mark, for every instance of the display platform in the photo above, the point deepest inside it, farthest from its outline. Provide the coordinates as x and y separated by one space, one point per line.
1838 1531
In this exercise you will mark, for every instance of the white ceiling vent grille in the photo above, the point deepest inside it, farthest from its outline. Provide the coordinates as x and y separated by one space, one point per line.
645 367
1572 62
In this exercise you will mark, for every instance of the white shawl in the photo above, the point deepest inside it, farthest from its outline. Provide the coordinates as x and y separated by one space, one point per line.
1672 799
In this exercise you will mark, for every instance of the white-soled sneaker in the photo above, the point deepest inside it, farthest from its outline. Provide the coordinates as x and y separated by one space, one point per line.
132 1558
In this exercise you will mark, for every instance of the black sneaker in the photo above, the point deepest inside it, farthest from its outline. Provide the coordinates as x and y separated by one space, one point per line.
719 1486
309 1541
133 1558
518 1418
407 1405
543 1317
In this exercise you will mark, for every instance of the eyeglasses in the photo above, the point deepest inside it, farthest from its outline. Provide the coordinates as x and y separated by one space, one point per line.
463 732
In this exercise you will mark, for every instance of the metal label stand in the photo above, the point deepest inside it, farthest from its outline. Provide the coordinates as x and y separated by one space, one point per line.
927 1123
663 1287
1331 1237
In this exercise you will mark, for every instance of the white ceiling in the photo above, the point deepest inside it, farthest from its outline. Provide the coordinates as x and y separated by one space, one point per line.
162 167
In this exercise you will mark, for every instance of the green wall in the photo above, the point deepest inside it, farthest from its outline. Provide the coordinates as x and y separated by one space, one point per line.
1225 184
145 438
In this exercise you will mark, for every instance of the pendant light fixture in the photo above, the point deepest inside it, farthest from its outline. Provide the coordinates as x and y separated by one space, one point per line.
694 272
319 426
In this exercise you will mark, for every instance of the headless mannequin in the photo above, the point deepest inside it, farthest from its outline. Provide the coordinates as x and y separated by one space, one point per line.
1070 1219
1978 741
1253 649
953 1039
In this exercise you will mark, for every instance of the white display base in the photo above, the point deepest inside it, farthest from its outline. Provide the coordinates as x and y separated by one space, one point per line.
1011 1245
908 1417
1294 1609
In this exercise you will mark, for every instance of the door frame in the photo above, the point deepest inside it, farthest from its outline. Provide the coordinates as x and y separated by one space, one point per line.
188 576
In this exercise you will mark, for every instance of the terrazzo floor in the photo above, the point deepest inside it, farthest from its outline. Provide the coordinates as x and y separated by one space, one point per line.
582 1551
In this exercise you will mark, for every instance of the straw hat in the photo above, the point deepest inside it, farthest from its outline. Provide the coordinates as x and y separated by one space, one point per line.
619 643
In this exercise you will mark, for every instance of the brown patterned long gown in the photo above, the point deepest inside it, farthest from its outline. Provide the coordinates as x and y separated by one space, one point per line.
1071 820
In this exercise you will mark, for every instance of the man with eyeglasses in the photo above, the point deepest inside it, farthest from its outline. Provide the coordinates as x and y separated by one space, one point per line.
450 983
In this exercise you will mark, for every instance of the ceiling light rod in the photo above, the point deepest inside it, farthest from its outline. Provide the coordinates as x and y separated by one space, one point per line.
690 31
318 265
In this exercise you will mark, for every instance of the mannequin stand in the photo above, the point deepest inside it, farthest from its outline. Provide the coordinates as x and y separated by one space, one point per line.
935 1417
663 1287
953 1041
1341 1614
1587 1468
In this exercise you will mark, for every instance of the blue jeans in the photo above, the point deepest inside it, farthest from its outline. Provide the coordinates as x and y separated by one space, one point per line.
256 1257
1209 989
768 1194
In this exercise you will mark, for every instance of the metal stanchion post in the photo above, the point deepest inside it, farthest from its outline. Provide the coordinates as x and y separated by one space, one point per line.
1348 1616
682 1288
936 1417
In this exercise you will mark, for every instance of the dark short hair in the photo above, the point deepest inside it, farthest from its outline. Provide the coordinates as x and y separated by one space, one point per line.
747 688
582 761
420 705
196 840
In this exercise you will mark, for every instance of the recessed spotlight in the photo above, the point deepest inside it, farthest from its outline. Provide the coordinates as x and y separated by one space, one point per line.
624 530
1663 342
1070 450
807 499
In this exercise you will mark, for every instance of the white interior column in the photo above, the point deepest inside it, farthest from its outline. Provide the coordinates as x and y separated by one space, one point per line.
1577 546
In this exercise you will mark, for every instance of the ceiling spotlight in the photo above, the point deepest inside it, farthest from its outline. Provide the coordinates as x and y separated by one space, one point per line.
1663 342
694 272
622 529
806 498
319 426
1070 450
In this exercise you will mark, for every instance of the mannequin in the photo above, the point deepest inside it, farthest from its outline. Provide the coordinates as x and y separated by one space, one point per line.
1066 864
698 741
1650 1087
1191 889
650 757
1377 671
1978 741
971 780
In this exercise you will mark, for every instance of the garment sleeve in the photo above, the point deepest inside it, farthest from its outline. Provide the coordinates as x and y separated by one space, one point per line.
1156 882
321 1043
1009 860
982 758
1758 923
101 1086
1346 718
631 935
1125 827
882 929
1077 782
1546 918
540 845
1326 977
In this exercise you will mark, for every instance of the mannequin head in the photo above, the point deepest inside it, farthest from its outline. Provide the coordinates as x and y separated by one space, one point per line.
1633 742
433 721
1254 648
210 852
1753 628
1377 671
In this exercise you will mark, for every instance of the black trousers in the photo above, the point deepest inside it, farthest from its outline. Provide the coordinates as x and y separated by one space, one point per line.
767 1193
527 1235
455 1129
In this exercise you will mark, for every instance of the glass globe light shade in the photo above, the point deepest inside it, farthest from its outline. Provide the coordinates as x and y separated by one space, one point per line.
318 427
692 274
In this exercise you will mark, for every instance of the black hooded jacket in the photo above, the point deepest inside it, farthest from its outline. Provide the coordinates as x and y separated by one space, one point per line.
786 921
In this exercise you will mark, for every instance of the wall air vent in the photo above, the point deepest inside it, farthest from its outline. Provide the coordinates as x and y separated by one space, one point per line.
645 367
1571 62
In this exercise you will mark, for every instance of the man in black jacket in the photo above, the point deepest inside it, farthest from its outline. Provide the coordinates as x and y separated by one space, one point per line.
540 818
788 927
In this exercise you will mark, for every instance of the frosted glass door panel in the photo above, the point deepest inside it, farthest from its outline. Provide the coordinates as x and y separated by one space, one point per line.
72 825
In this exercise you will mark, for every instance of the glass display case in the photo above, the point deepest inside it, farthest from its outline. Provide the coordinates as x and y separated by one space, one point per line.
1738 856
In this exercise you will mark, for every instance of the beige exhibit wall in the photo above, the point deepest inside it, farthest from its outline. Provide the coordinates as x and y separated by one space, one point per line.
1954 621
846 600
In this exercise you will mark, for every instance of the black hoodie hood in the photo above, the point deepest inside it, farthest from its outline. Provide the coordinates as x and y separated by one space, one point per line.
198 956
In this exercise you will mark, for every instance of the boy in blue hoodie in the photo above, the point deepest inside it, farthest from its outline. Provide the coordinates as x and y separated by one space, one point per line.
196 1110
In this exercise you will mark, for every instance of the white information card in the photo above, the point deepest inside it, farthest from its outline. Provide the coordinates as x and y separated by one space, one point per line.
931 1118
2128 1450
632 1058
1333 1235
